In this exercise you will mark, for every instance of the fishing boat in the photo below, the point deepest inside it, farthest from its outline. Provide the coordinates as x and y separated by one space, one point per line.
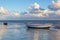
39 26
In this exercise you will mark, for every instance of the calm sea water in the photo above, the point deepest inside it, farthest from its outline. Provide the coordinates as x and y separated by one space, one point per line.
17 30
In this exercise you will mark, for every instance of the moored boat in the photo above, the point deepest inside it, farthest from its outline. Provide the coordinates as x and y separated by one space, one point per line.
5 23
39 26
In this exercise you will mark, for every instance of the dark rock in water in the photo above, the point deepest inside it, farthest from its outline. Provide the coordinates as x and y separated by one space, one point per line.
5 23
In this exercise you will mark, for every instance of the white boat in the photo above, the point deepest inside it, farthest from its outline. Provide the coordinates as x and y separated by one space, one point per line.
40 26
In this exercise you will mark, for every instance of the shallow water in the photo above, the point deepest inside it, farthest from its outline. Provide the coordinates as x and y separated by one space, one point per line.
17 31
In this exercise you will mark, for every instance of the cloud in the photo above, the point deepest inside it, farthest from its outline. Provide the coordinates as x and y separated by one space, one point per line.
34 12
37 13
58 12
14 15
3 11
6 14
34 6
55 5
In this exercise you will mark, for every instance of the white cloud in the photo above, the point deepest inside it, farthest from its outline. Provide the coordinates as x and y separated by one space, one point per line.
56 4
58 12
17 14
3 11
34 12
34 6
6 14
37 13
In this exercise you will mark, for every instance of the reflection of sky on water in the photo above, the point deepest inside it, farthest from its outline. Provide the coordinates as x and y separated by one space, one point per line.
2 31
39 34
13 32
20 32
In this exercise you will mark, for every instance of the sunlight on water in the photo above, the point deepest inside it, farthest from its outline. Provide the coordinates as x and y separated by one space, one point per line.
57 34
16 30
36 35
2 31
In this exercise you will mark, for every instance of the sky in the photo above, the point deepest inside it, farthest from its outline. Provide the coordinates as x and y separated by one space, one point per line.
29 9
22 5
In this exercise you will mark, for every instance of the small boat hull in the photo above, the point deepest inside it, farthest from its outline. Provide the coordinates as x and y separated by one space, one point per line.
39 27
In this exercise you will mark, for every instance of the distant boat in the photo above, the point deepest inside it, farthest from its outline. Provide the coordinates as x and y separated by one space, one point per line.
39 26
5 23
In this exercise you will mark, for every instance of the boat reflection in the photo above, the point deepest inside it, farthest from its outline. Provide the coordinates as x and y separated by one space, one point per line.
39 34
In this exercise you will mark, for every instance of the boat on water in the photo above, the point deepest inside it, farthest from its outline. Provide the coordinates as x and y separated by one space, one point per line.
5 23
39 26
